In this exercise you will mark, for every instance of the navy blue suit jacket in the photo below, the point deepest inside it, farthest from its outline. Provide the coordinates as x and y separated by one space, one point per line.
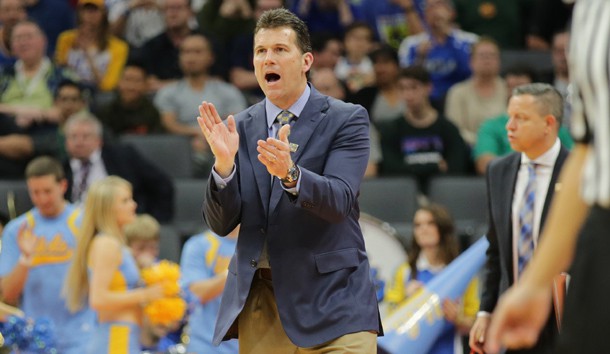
320 270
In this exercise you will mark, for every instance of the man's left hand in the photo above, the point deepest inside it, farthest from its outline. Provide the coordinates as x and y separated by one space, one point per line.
275 153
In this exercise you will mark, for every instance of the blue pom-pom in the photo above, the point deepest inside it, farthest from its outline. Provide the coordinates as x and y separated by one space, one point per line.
42 336
13 332
35 336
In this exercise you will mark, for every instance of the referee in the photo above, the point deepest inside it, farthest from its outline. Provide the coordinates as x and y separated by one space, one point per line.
581 208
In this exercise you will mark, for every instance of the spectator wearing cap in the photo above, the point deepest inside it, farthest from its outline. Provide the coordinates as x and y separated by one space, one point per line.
90 50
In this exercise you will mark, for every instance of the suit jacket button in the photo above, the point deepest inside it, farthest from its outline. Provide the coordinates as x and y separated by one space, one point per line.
263 231
253 263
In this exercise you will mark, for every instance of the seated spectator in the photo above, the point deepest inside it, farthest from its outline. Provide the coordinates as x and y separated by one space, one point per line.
422 142
178 102
53 16
325 81
11 12
226 20
355 68
70 99
28 119
492 137
204 266
34 102
159 54
472 101
433 247
382 100
326 16
326 49
241 71
131 111
444 50
91 50
136 21
559 77
90 160
393 20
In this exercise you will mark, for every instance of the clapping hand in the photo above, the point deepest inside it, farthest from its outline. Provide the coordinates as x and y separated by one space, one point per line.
222 139
275 153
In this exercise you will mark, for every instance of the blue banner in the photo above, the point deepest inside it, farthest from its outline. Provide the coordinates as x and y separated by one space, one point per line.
414 327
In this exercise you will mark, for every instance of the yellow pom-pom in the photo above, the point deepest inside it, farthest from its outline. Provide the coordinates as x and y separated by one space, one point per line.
165 311
164 271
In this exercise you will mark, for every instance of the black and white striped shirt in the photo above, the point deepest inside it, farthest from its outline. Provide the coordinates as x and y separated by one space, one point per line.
589 60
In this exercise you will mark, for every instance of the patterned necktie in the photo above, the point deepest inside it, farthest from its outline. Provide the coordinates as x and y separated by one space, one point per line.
85 168
525 245
284 117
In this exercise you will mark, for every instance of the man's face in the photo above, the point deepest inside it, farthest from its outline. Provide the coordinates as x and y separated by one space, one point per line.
386 71
177 13
414 92
11 12
144 251
82 140
69 101
28 43
195 56
132 85
47 194
527 128
325 81
560 46
485 59
280 66
329 56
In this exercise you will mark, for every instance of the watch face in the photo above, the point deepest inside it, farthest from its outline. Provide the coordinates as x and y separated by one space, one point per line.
292 175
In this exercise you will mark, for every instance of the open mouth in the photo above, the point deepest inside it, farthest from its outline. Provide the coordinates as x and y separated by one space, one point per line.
272 77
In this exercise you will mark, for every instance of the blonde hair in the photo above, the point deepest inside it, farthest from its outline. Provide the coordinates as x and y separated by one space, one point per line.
98 218
144 227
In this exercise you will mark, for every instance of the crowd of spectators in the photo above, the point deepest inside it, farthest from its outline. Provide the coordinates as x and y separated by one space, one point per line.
143 66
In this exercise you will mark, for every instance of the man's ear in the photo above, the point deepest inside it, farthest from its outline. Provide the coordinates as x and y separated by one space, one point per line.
307 61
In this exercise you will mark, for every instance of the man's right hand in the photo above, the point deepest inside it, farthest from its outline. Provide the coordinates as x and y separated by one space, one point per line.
478 332
222 139
27 242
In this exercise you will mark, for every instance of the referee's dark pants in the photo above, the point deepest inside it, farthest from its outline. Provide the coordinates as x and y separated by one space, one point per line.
586 323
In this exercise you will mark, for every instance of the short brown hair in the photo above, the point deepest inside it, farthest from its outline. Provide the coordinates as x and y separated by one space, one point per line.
283 18
44 166
144 227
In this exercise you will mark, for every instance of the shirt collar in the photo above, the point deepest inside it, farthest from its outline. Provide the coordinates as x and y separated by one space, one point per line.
424 264
95 157
296 108
547 159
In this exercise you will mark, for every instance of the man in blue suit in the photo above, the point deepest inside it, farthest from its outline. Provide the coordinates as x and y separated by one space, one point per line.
299 280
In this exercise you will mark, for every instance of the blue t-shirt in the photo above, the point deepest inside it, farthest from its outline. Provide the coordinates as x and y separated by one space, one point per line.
388 19
448 63
204 256
45 279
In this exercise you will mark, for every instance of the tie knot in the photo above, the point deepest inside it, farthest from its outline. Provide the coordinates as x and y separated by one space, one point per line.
284 117
531 167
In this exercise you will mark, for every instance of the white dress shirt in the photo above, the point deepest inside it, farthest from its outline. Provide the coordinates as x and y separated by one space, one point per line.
97 172
544 170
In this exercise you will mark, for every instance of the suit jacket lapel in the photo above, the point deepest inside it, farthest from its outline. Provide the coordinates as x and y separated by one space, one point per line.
563 154
510 182
301 132
255 128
